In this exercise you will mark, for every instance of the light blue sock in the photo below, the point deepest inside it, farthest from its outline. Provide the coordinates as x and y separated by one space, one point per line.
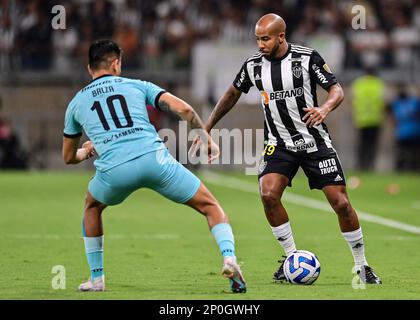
222 232
95 254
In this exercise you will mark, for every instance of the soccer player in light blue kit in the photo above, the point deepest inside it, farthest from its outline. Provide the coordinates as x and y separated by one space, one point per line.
111 110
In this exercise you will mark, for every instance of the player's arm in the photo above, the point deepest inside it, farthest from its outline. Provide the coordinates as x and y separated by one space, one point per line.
315 116
321 73
170 103
223 106
72 154
242 83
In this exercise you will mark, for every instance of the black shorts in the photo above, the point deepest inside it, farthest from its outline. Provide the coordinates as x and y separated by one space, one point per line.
323 168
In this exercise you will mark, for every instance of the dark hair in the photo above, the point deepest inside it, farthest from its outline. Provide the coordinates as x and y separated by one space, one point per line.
101 51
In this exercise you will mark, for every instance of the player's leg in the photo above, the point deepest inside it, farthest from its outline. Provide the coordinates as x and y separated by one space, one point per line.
339 201
175 182
106 188
93 238
351 230
324 171
277 170
272 186
205 203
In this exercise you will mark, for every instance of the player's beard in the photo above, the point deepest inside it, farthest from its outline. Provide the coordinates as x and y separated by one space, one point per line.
274 52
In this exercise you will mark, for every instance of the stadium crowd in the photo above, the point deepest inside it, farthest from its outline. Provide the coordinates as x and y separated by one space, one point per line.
164 31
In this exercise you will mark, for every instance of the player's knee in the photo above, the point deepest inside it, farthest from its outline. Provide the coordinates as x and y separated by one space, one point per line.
341 206
91 203
269 198
208 205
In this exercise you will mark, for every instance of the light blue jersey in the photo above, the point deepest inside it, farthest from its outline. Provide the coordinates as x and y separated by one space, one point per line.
112 112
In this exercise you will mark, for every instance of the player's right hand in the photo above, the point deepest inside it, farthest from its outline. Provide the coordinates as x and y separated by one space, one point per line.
213 150
90 149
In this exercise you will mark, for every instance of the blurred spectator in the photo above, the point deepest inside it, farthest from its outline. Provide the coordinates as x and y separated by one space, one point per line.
86 38
101 17
369 45
7 40
127 37
34 36
234 31
405 110
65 41
160 35
404 38
12 155
368 93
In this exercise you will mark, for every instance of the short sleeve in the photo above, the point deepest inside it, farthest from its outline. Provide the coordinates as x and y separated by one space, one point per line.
153 93
242 81
72 129
320 71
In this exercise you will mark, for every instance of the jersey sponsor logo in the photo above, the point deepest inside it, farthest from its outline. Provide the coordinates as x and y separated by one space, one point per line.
318 73
300 59
281 95
125 133
300 146
265 97
299 142
328 166
241 79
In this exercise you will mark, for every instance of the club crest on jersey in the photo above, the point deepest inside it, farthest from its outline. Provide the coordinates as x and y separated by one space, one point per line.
297 71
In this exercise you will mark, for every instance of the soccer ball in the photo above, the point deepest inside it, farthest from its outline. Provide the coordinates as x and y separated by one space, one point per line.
301 267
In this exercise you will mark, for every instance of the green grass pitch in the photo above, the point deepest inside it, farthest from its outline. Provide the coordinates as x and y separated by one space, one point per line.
155 249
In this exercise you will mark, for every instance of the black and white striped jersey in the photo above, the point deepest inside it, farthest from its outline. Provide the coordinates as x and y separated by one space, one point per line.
287 85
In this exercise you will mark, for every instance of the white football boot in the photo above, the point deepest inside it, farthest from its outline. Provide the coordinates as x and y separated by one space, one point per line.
368 276
232 271
98 284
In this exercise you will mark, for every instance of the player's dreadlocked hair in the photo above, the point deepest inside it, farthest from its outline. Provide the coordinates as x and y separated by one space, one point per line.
102 53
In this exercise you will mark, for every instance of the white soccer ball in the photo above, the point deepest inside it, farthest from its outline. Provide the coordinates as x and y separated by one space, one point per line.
302 267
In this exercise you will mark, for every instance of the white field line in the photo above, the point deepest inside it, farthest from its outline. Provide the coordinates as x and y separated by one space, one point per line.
238 184
171 237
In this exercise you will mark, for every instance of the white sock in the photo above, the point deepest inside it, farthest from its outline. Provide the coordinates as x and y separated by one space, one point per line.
355 241
283 234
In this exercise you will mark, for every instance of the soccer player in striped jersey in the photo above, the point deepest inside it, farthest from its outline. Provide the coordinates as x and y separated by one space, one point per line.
287 75
111 110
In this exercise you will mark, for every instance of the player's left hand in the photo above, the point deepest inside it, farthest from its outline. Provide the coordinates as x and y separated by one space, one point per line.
314 116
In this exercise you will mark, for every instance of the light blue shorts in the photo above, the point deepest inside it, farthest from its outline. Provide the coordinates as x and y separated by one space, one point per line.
156 170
